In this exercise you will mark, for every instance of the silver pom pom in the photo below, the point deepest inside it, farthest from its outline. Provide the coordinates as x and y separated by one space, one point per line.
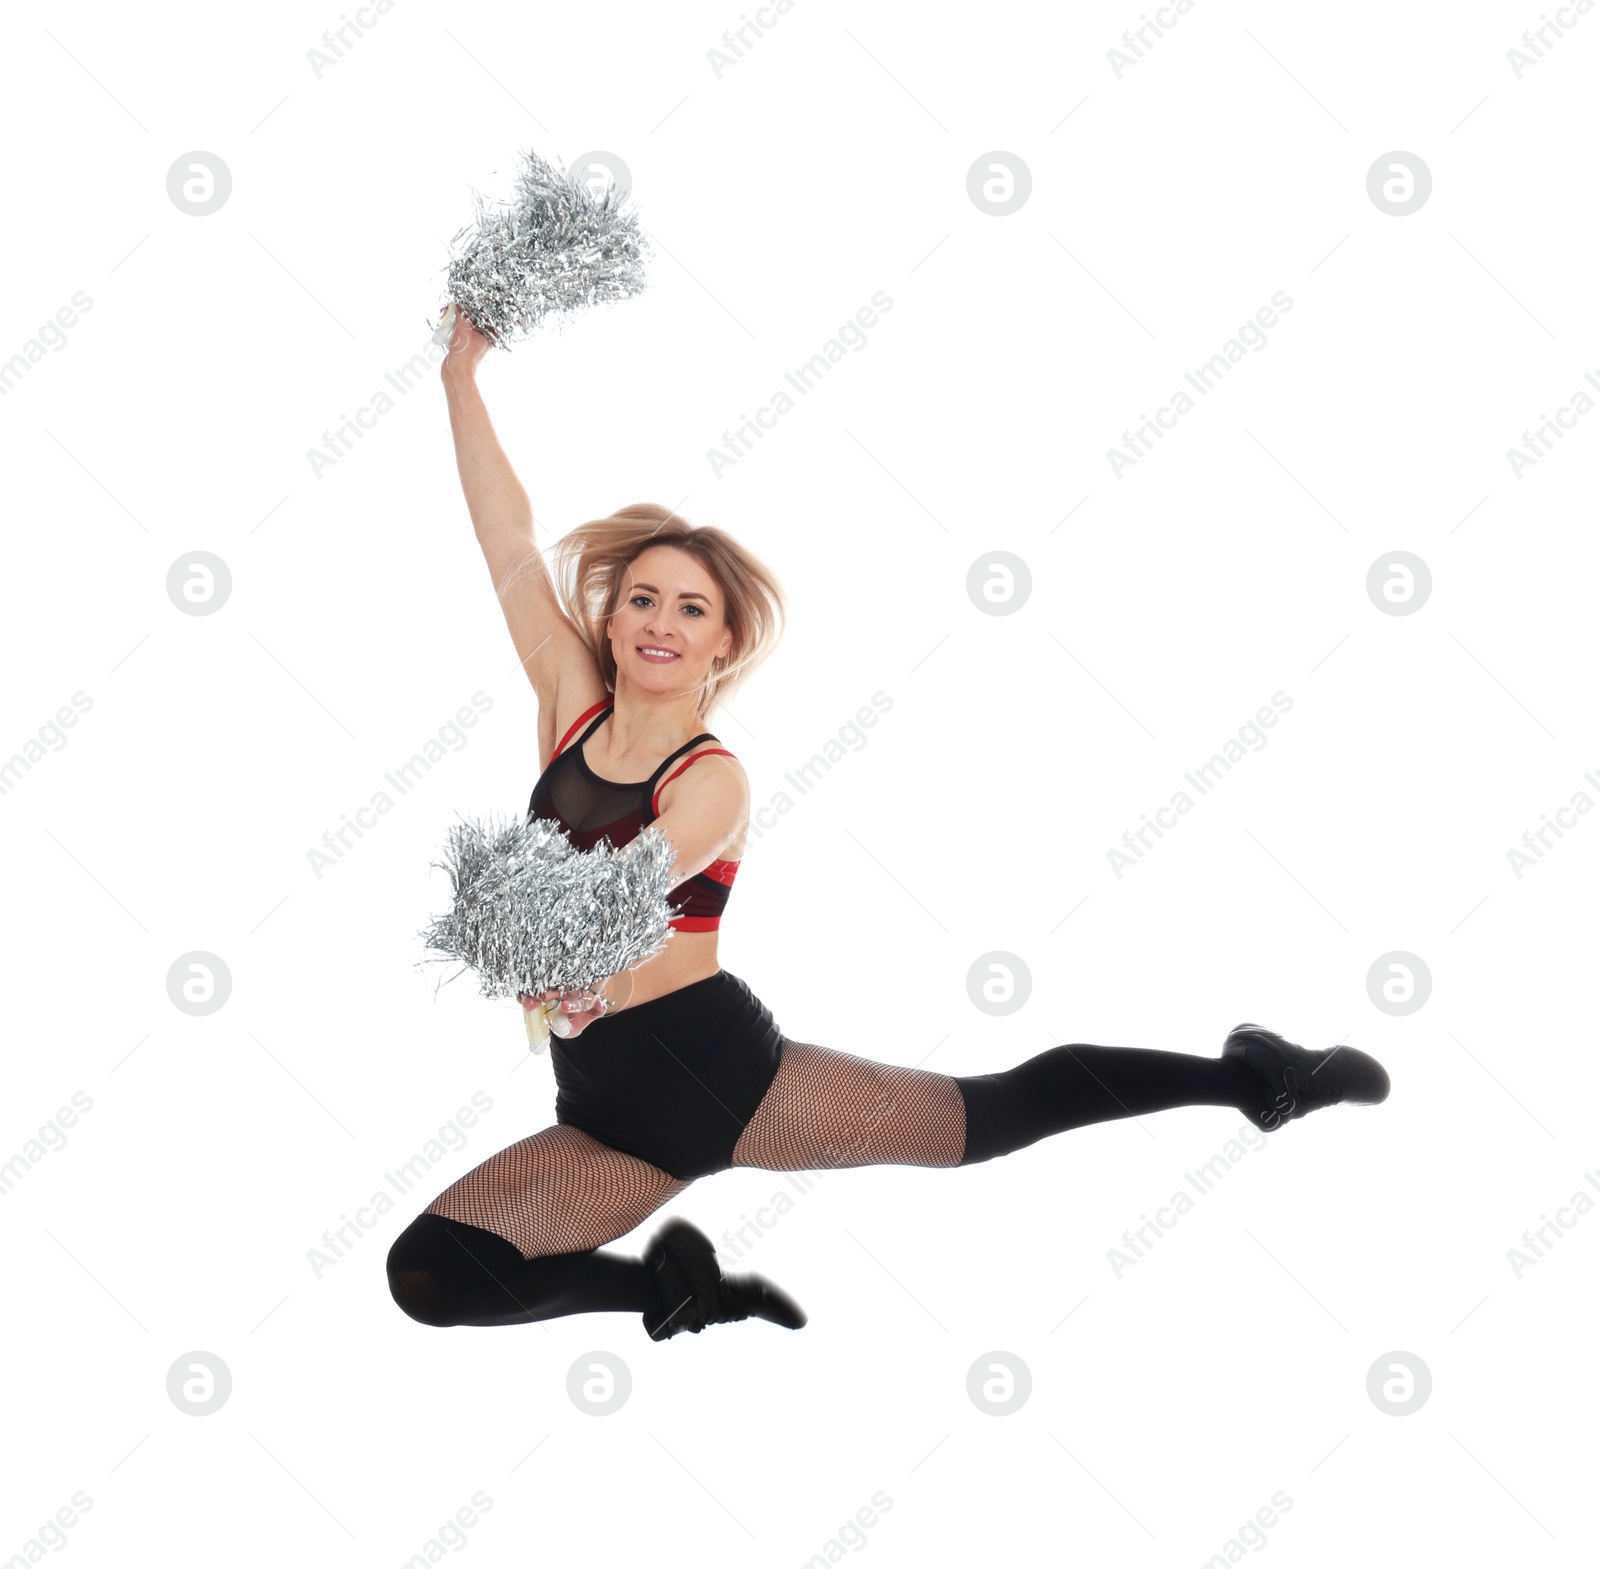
531 912
555 247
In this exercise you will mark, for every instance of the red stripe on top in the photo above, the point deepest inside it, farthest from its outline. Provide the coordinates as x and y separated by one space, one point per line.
710 751
588 713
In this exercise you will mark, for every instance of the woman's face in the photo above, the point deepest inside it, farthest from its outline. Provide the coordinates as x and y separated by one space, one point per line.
668 627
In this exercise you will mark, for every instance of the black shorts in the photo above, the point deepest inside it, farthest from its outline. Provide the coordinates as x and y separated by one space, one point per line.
674 1080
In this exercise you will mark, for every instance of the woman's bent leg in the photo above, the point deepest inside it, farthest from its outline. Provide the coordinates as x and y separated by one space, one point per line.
444 1272
516 1240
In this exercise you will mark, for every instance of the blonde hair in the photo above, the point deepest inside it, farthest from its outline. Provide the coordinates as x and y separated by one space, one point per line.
593 564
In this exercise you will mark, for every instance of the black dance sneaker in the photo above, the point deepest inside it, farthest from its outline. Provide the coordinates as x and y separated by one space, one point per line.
694 1292
1300 1081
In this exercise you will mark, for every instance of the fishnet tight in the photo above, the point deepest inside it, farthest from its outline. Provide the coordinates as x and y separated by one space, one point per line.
558 1191
828 1108
561 1191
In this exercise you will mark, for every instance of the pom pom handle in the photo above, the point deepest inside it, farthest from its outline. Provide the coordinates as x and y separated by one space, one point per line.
543 1021
446 329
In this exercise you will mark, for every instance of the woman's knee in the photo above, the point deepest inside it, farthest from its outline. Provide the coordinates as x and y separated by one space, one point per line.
424 1295
436 1266
420 1280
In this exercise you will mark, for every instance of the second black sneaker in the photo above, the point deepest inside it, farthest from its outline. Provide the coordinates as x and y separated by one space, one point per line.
694 1292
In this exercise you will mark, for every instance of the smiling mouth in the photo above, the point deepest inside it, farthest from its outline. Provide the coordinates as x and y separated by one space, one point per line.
658 656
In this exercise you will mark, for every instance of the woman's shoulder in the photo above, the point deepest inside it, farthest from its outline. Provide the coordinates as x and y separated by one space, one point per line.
715 768
712 759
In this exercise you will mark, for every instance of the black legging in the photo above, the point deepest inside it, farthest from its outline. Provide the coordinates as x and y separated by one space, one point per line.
444 1271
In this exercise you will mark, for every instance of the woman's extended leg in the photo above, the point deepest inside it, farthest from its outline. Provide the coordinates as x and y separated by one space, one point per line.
516 1239
828 1108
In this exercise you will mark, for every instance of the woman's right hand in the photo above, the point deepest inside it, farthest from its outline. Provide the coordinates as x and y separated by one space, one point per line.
467 347
579 1008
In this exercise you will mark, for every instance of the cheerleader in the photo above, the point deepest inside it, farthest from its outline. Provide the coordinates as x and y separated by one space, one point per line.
676 1070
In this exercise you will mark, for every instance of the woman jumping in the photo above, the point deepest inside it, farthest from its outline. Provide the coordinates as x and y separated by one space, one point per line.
675 1069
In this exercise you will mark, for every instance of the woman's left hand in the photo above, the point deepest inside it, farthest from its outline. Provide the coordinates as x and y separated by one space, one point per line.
580 1007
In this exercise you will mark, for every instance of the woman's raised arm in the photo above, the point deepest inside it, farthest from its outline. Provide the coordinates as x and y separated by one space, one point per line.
502 518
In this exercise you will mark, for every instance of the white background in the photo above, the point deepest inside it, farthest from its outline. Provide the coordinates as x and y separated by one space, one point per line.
1169 1401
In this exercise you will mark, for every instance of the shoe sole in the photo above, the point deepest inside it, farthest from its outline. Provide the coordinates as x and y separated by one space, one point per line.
785 1312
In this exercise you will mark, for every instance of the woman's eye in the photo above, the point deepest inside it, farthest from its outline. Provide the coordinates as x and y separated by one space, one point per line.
645 599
